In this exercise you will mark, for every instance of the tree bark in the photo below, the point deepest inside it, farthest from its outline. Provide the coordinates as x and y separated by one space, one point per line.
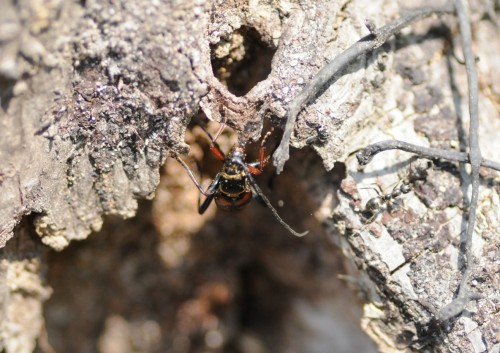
96 95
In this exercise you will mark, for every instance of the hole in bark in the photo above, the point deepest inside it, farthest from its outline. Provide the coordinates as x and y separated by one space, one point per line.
241 60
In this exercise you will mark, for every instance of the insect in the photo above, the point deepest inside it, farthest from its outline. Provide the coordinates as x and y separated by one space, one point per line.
375 203
234 186
418 171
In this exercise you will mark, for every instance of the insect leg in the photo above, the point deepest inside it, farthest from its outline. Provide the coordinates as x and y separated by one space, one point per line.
263 159
257 167
214 146
209 193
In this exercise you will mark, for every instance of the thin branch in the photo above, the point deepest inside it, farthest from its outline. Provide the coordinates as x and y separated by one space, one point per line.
458 304
473 157
366 155
325 76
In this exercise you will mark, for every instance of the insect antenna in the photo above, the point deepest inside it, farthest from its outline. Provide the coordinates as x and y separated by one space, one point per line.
190 173
209 192
263 197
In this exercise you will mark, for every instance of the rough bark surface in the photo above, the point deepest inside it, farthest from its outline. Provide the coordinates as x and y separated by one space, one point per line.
94 97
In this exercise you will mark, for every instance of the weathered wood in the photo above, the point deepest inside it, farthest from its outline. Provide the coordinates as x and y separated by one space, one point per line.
95 95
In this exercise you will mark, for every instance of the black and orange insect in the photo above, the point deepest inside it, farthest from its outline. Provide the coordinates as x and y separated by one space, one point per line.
234 186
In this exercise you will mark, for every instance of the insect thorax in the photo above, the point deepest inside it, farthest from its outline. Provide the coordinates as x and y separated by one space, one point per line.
232 185
234 192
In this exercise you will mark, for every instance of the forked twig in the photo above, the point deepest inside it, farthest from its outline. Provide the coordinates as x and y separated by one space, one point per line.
366 155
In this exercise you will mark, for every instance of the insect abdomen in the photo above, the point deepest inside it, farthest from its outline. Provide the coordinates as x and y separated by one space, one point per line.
233 203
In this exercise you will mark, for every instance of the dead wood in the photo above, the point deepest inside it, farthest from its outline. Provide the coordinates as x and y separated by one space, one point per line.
94 98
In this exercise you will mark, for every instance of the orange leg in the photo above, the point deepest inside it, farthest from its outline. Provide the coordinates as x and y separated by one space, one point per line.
263 159
214 147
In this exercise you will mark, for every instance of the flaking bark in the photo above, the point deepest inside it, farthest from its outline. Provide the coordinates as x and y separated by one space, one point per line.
96 95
